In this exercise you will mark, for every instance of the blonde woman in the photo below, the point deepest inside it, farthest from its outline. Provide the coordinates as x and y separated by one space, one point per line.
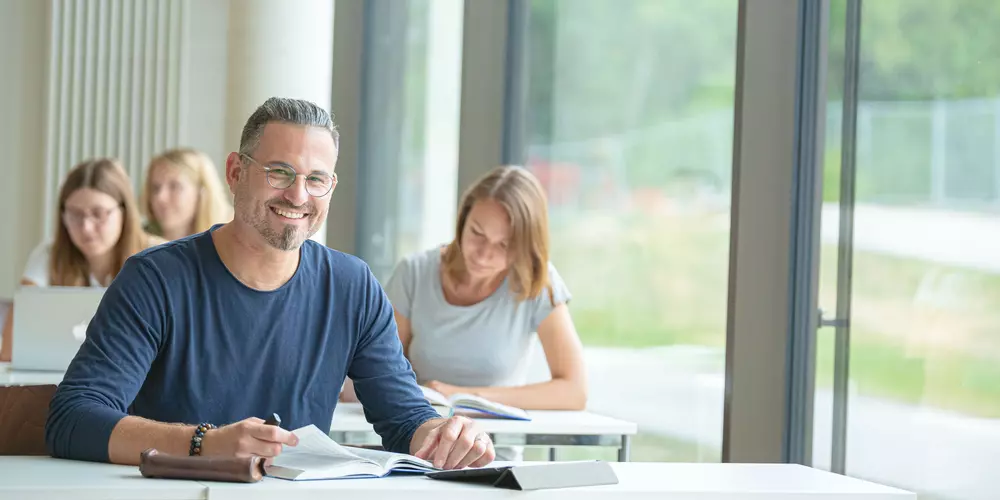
183 194
466 311
98 228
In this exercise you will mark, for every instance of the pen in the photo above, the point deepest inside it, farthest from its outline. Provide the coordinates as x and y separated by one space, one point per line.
274 419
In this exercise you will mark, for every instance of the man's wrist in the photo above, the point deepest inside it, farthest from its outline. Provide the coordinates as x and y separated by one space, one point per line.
420 433
198 435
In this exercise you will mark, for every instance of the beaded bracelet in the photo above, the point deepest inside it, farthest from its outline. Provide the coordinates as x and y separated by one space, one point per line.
199 433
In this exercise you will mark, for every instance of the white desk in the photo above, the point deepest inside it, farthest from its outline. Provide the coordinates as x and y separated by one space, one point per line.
10 377
43 478
546 428
47 478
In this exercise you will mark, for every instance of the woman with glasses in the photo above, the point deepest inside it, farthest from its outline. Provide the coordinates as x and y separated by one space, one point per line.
183 194
98 228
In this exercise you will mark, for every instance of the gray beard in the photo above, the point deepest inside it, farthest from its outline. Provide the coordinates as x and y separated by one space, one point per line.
284 240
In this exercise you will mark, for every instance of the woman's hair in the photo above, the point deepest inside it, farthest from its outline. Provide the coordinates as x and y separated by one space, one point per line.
213 204
522 196
67 265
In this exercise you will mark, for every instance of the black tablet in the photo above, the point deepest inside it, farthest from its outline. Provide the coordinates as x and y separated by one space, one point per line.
535 476
479 475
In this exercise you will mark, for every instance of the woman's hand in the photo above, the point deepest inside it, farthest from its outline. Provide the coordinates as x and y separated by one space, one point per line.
446 389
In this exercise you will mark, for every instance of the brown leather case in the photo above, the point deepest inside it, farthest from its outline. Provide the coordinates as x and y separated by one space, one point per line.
154 464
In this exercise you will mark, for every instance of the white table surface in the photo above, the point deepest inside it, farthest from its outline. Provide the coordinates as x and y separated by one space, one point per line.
43 478
27 377
349 417
34 478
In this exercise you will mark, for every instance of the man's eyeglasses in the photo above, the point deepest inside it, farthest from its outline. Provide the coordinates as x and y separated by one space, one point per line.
77 218
282 176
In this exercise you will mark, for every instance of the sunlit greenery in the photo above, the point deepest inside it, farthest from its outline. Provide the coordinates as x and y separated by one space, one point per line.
629 122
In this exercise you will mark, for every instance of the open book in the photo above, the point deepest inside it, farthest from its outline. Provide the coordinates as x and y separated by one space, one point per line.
472 406
319 457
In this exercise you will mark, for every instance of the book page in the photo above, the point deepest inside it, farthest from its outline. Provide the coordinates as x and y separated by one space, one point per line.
310 464
435 397
472 402
388 460
314 441
319 457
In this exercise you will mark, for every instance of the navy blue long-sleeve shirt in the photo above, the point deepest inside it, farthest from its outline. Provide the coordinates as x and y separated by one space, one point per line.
177 338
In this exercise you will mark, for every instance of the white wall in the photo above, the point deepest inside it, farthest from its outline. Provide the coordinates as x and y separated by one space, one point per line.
22 107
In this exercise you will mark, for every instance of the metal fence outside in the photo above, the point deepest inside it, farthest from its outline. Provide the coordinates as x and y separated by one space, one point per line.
941 154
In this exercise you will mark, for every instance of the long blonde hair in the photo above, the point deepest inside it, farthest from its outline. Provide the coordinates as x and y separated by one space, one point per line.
67 264
522 196
213 204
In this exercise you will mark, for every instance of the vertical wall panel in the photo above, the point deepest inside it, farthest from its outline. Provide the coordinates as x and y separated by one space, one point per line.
134 67
125 77
113 80
145 115
173 73
63 80
161 71
100 100
115 85
76 84
52 102
88 66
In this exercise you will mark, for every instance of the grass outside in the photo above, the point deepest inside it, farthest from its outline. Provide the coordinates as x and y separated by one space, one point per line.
923 333
640 282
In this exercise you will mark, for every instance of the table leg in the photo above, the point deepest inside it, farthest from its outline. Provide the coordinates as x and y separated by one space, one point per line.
626 448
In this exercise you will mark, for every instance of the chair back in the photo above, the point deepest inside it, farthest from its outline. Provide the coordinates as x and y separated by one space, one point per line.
23 411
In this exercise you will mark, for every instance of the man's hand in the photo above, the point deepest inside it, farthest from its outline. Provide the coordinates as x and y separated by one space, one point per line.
246 438
454 443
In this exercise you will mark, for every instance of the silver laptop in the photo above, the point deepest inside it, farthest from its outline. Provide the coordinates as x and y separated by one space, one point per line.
50 324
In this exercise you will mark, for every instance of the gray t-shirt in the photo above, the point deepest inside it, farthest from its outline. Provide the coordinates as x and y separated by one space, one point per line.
482 345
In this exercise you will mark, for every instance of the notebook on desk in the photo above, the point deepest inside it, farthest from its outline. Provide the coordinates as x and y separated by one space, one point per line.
472 406
318 457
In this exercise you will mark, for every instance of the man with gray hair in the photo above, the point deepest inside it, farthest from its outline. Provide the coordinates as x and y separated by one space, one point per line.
196 339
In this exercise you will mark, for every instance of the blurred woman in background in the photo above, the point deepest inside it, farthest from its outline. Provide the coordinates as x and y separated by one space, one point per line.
183 194
98 228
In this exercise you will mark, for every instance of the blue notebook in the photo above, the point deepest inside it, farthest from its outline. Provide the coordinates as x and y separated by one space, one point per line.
472 406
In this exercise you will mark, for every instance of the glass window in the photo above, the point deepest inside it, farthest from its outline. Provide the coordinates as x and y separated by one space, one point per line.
923 397
429 160
630 117
408 167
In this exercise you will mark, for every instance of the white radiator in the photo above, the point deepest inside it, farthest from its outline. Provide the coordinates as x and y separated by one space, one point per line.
115 85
